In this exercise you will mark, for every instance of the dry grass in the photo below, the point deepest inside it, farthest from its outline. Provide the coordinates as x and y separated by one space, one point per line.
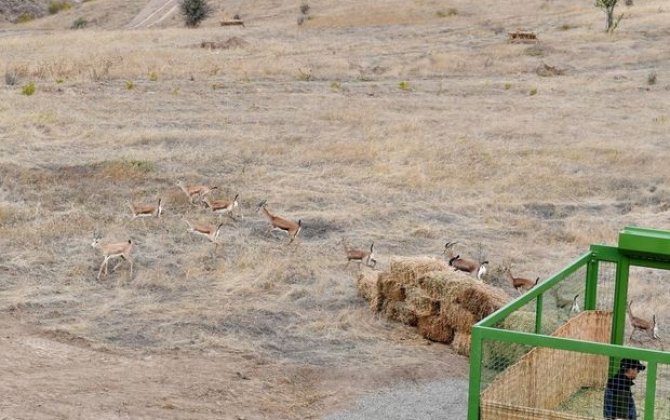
465 155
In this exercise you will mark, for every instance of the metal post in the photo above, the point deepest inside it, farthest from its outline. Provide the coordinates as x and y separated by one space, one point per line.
474 390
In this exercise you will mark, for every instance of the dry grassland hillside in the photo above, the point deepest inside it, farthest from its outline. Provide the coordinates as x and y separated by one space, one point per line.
404 123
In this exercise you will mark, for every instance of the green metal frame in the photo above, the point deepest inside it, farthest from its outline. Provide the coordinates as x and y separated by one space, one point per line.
637 247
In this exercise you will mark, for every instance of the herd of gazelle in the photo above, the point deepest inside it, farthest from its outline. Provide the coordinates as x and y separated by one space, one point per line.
520 284
524 284
198 195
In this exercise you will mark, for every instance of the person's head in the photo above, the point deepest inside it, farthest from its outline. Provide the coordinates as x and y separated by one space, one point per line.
631 367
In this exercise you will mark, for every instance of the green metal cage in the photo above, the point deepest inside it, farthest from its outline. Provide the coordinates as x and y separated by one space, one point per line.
549 353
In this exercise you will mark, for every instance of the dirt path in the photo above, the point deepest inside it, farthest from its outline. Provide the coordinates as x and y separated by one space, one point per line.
48 377
155 12
45 378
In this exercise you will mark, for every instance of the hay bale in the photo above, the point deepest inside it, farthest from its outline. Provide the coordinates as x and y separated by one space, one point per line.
422 303
482 300
461 343
391 288
407 270
519 321
368 288
457 317
444 285
401 312
434 328
425 292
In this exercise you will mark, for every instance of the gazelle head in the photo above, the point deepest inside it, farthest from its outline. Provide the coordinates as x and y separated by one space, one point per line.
448 251
96 240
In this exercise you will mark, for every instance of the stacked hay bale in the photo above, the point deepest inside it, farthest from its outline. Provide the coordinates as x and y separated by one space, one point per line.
425 292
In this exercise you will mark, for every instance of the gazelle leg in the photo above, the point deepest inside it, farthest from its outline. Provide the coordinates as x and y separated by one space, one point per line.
104 264
118 264
130 260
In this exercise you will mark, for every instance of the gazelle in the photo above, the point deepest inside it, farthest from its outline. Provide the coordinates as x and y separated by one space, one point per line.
360 255
195 191
563 303
520 283
463 264
210 232
222 206
114 250
146 211
291 228
650 327
481 273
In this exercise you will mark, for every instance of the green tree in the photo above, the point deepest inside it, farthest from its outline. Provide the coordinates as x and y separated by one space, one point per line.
195 11
608 8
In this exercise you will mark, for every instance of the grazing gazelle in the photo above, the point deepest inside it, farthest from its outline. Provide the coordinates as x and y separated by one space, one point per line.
210 232
146 211
291 228
114 250
222 206
361 256
195 191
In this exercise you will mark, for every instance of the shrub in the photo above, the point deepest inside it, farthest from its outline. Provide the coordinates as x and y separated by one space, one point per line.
153 76
651 78
404 85
195 11
10 78
305 74
28 89
56 6
304 8
79 23
130 84
533 92
449 12
24 18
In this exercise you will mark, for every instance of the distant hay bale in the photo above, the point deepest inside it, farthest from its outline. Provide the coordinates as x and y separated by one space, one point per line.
461 343
434 328
368 288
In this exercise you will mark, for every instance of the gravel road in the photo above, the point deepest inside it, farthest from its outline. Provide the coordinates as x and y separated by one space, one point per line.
444 400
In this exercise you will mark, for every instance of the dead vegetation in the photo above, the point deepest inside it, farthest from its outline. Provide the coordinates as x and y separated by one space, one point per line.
535 179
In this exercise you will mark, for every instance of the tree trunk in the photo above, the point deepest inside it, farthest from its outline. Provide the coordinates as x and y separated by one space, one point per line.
610 17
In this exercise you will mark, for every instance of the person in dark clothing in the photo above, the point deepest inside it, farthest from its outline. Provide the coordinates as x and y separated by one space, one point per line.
619 402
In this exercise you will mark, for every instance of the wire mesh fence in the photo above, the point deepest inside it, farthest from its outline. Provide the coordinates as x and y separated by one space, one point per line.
524 382
569 348
563 301
606 285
